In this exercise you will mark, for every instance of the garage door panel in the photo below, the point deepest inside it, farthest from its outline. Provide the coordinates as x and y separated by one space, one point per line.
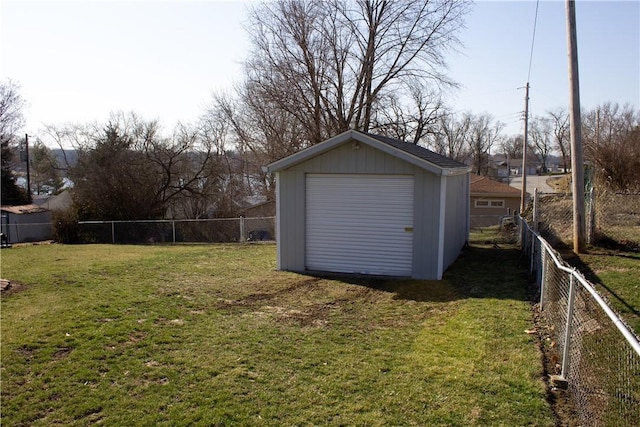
359 223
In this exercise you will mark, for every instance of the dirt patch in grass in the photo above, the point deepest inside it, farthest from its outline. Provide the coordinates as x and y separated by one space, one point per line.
308 303
13 287
62 353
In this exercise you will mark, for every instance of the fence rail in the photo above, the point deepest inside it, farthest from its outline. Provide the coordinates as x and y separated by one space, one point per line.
595 352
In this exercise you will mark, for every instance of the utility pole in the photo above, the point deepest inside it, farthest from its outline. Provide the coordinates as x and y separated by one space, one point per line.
26 149
577 164
523 196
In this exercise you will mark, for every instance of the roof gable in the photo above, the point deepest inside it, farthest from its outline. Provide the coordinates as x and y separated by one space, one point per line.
411 153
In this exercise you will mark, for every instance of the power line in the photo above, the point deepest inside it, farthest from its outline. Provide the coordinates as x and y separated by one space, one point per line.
533 39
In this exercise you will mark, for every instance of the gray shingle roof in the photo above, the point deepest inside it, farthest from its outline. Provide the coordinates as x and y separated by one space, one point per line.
420 152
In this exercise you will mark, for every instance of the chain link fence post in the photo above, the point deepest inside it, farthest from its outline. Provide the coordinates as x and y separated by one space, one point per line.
566 351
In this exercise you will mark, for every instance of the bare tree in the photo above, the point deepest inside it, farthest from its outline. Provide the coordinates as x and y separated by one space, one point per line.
127 169
331 65
45 176
412 121
11 121
560 128
483 133
449 139
512 147
611 136
260 133
541 134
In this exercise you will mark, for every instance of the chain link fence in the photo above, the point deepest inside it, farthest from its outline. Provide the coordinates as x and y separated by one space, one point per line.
591 348
615 219
612 218
219 230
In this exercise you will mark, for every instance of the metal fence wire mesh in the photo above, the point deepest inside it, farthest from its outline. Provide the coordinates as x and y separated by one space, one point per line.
612 218
218 230
590 346
616 218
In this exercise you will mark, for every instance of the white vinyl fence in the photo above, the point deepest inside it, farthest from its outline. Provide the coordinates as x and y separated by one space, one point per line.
596 353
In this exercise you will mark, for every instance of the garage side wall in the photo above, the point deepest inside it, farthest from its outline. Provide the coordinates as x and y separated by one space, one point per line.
456 217
426 214
290 219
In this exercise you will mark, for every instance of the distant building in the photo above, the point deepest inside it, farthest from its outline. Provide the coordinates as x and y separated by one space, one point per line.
27 223
491 200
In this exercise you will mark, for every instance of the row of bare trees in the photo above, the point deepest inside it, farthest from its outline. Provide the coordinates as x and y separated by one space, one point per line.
315 69
610 136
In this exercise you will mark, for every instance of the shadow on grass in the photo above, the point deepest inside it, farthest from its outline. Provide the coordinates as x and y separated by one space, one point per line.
480 272
593 277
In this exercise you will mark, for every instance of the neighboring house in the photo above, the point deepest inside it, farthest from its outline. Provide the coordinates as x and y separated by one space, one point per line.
58 203
513 167
491 200
260 210
366 204
259 221
27 223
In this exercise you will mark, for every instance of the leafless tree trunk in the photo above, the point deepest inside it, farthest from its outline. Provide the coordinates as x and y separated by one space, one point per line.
331 65
512 147
451 136
481 136
414 121
541 138
611 136
560 128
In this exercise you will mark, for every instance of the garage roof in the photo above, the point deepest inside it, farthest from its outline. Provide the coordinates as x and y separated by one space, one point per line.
414 154
23 209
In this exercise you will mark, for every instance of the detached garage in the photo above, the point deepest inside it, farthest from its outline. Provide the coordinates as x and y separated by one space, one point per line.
365 204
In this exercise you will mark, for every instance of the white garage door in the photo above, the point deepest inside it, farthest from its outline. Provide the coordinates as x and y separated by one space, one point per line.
359 223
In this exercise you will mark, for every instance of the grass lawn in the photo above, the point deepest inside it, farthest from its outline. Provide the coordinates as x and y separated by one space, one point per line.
615 274
213 335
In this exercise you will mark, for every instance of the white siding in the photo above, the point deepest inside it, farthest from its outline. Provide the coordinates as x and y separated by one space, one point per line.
359 223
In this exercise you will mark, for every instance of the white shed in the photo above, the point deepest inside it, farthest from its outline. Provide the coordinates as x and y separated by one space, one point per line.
360 203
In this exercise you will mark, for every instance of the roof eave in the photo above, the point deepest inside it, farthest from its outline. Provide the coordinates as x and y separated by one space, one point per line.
331 143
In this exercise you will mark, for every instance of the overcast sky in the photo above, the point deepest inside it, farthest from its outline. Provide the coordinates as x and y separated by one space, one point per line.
77 61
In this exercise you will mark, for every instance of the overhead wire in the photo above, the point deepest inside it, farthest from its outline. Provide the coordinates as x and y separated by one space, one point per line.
533 40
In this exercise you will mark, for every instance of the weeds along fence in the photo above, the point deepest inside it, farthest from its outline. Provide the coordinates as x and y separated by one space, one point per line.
482 221
590 346
612 218
217 230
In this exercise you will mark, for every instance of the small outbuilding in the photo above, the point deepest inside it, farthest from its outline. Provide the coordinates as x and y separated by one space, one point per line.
491 201
26 223
360 203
